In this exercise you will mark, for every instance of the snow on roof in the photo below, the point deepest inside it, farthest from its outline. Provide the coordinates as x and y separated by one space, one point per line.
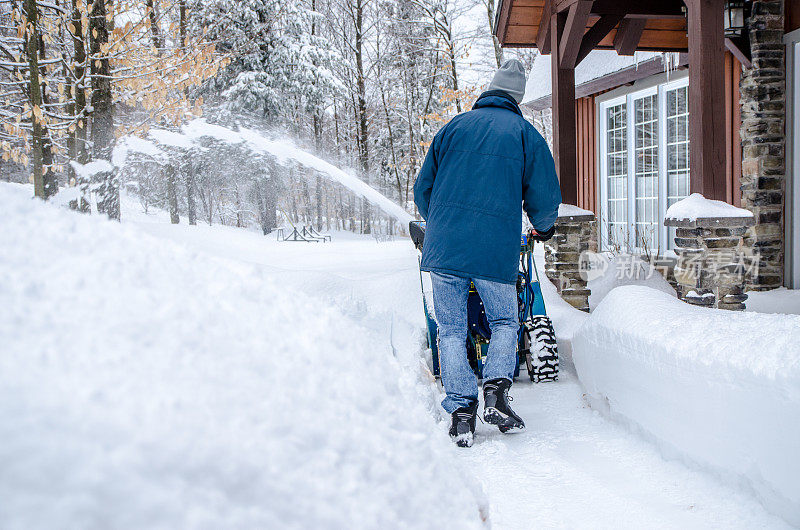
597 64
695 205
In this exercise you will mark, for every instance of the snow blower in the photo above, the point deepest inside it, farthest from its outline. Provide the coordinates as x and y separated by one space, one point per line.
536 344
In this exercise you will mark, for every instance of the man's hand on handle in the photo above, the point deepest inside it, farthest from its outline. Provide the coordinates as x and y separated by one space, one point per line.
540 236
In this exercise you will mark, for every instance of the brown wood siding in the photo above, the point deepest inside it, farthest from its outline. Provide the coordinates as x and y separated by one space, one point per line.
586 121
733 122
587 141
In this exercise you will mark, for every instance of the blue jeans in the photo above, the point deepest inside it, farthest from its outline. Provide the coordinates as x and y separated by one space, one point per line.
450 305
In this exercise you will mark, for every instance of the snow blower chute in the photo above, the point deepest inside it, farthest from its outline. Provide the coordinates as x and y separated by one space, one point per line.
536 344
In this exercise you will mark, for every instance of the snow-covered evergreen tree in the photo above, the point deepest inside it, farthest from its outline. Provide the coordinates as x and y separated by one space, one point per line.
279 70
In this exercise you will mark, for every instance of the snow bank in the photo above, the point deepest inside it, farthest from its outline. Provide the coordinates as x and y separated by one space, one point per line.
624 269
566 319
145 385
695 205
780 300
719 388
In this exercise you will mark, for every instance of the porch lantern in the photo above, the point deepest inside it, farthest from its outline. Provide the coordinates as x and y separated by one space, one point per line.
734 18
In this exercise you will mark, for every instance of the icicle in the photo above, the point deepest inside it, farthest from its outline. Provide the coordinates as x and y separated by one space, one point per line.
670 60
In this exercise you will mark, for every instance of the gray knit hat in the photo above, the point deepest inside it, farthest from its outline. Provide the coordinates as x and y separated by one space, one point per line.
510 78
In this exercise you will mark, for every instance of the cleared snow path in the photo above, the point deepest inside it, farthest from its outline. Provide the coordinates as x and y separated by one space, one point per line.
574 469
570 469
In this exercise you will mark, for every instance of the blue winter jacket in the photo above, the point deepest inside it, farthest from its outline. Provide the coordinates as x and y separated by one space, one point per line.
479 169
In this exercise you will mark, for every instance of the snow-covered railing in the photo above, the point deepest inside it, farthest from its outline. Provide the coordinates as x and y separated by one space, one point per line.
719 388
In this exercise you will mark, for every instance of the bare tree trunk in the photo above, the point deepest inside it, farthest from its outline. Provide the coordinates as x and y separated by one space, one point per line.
491 14
172 196
239 221
155 30
270 206
35 94
452 56
391 142
191 209
328 207
102 106
362 111
48 156
318 190
79 152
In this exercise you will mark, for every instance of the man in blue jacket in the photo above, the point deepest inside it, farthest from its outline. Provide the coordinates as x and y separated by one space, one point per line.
482 168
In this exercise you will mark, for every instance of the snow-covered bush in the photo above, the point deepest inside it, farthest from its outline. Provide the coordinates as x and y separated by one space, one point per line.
716 387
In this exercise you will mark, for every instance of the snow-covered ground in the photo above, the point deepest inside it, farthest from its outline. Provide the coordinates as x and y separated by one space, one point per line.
781 300
157 375
145 384
623 269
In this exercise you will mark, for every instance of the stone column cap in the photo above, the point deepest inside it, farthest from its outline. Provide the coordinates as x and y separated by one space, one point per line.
570 212
695 211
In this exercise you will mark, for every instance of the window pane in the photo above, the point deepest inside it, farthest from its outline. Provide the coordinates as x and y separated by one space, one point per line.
617 174
646 172
677 149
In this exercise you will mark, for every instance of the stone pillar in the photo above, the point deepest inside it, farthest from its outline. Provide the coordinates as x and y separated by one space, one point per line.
574 234
713 260
763 100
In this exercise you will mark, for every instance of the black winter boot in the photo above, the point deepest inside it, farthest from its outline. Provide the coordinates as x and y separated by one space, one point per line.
496 409
463 426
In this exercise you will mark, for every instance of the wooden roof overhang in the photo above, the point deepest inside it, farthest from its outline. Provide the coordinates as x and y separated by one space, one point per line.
659 25
570 29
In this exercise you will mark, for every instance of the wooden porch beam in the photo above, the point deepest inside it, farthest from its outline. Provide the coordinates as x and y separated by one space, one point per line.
628 35
543 35
639 8
572 36
707 99
564 126
501 27
596 33
737 49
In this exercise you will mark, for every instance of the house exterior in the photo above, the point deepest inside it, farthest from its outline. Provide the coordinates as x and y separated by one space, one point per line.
633 137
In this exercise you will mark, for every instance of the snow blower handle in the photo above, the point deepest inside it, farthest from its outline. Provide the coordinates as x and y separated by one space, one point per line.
535 235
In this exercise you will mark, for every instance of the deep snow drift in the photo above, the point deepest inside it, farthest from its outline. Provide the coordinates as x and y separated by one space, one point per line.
141 368
623 269
146 385
780 300
721 388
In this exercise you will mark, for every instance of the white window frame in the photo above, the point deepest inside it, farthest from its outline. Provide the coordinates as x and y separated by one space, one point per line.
628 99
603 165
792 213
